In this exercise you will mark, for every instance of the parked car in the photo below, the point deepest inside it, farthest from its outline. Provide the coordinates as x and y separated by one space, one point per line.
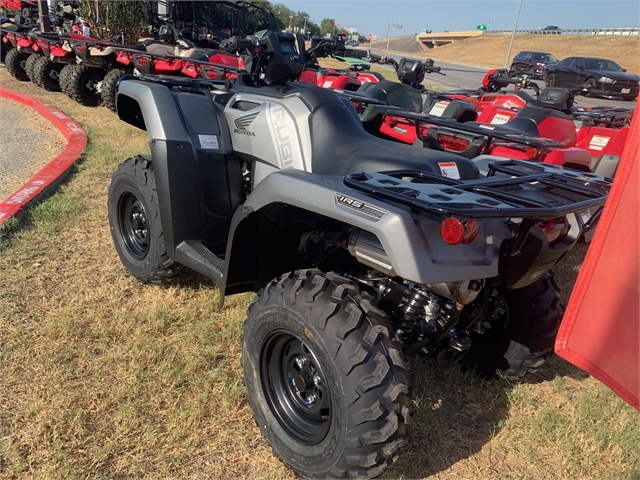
352 43
551 29
604 77
532 63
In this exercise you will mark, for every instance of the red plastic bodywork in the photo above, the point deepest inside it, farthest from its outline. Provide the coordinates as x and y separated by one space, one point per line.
602 140
330 79
600 329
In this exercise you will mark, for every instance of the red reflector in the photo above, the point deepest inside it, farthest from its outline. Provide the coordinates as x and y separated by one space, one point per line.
450 142
389 120
471 229
452 231
241 62
555 229
142 61
80 48
531 153
212 74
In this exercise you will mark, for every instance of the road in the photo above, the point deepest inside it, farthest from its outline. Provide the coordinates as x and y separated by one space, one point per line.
464 76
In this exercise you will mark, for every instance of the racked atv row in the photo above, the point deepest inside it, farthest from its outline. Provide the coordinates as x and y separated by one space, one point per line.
361 252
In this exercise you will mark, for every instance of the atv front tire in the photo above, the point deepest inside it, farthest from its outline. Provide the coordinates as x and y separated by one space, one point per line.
109 87
46 74
519 330
326 380
84 85
15 62
134 220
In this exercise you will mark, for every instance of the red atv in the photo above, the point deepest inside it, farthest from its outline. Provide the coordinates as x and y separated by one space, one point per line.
26 8
350 79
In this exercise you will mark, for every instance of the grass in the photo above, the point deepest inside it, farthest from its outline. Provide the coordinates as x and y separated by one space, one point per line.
104 377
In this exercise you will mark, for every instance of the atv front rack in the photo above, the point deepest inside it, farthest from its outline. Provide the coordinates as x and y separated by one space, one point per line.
490 197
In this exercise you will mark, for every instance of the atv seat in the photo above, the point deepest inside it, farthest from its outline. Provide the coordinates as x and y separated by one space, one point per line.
157 47
340 145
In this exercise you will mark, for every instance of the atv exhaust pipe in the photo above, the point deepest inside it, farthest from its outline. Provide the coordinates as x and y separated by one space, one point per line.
369 251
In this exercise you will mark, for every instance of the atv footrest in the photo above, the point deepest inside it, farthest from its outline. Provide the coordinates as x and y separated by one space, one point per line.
195 255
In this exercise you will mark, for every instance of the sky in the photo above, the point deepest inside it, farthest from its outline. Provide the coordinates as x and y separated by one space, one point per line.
374 16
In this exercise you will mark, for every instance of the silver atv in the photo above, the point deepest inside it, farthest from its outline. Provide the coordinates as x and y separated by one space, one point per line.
362 252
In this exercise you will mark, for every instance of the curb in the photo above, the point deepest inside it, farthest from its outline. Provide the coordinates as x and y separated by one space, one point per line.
52 174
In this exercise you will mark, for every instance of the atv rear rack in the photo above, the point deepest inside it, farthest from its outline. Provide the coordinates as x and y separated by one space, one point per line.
488 197
489 133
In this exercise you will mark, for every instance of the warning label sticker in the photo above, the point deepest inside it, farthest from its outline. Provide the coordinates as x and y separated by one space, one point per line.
499 119
598 142
438 109
449 169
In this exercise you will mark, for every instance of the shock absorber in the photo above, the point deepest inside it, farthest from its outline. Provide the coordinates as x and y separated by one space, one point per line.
416 314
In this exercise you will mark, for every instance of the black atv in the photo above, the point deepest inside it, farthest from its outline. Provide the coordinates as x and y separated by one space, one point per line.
361 252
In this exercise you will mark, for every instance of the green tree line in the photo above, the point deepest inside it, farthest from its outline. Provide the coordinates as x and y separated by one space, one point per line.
133 17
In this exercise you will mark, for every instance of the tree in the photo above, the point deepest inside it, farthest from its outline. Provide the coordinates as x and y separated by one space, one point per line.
327 26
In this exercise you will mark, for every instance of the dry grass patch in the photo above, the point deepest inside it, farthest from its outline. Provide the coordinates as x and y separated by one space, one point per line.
491 50
104 377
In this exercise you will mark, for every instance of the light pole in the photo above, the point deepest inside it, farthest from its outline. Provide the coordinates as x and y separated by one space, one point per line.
390 23
305 27
290 18
513 34
373 20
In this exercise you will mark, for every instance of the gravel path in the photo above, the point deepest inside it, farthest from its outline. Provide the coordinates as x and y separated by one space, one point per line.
27 143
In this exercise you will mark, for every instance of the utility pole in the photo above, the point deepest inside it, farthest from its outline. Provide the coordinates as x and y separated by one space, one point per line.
44 15
513 35
305 27
390 23
372 22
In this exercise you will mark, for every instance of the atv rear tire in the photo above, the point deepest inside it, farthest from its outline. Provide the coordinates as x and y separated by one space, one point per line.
46 74
30 63
519 330
134 220
84 85
15 62
326 380
64 78
109 87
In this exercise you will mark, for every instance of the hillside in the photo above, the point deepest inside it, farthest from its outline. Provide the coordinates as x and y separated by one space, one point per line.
491 50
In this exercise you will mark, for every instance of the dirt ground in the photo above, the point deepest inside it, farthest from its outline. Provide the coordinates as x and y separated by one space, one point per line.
28 142
491 50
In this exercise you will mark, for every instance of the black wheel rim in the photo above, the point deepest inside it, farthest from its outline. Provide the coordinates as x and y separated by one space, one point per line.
296 387
93 85
496 323
134 228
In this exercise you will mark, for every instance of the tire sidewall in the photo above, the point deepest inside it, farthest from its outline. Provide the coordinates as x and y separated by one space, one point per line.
121 184
302 457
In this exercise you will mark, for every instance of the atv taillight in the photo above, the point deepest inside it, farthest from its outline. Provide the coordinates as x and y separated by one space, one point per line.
241 63
142 61
389 120
555 229
80 48
212 74
531 153
451 142
454 231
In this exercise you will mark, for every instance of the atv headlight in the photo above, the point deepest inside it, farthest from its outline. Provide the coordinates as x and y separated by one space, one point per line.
606 80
